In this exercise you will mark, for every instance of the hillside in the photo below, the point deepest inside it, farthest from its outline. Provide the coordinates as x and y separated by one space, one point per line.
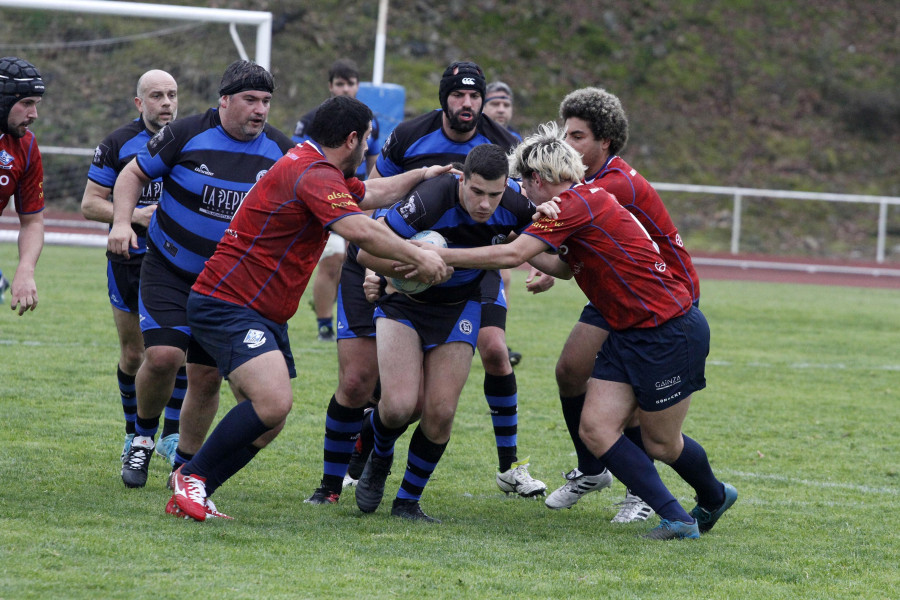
763 94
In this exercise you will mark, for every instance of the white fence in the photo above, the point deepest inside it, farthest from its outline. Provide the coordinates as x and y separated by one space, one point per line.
738 194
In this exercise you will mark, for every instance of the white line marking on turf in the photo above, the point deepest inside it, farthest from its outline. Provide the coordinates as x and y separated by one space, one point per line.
799 366
866 489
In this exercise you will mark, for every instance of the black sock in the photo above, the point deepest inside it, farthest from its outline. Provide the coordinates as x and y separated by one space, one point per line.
342 426
501 393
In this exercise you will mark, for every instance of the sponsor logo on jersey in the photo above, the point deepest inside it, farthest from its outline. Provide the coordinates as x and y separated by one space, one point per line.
667 383
408 208
678 240
220 203
660 266
159 141
412 210
204 170
336 200
6 160
545 224
261 173
151 193
99 152
254 338
465 327
500 238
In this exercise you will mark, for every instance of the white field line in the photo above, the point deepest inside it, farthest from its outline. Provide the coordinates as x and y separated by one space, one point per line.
802 366
865 489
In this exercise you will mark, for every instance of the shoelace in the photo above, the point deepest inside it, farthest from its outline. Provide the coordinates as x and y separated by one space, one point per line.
196 490
522 475
137 457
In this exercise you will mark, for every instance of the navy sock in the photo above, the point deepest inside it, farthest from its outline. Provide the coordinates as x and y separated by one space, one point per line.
230 465
146 427
421 461
571 408
501 393
181 457
693 466
633 467
129 398
634 434
173 407
342 426
324 322
385 437
237 429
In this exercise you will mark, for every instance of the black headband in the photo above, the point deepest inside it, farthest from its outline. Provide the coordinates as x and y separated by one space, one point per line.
250 83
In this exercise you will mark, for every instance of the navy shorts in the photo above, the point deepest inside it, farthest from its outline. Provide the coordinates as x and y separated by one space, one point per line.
493 300
123 281
163 310
436 324
591 316
234 334
355 314
664 365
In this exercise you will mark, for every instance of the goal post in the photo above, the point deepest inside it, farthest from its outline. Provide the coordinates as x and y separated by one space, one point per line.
91 54
260 19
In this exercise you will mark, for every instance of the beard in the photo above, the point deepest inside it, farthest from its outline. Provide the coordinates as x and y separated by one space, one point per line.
356 159
463 127
20 130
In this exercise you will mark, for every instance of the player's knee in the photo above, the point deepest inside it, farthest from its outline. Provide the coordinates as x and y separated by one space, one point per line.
273 409
131 358
661 449
355 389
163 359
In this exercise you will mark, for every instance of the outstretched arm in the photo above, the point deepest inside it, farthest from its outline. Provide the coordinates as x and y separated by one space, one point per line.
502 256
384 191
375 238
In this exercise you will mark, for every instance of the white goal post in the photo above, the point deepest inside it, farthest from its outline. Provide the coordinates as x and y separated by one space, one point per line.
260 19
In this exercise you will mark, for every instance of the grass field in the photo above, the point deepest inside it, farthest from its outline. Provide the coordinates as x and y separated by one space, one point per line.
801 414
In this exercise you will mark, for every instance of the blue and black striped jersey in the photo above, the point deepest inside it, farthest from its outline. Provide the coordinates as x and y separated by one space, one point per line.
206 174
110 157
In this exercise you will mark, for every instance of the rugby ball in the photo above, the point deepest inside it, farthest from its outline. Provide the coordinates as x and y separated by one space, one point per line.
412 286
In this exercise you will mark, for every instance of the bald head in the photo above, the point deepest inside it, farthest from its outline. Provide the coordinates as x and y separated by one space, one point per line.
157 99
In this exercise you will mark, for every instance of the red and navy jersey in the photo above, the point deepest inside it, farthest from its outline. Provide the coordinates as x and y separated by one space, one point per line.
206 173
21 173
613 259
110 157
435 205
272 245
421 142
637 195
